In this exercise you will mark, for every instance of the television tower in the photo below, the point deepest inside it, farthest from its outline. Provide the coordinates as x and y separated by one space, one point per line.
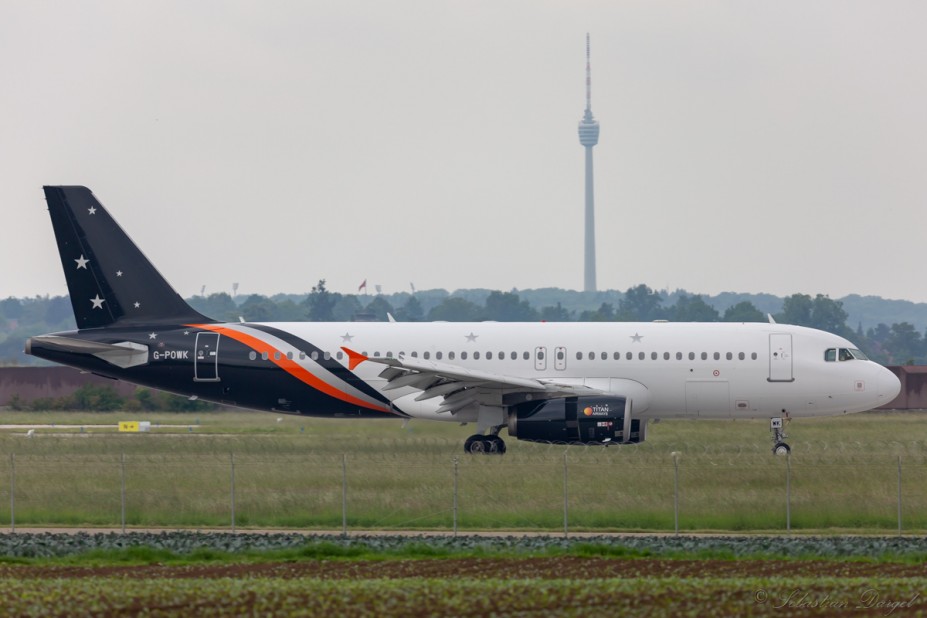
589 137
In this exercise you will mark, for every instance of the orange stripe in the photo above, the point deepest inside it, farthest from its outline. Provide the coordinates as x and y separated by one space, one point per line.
290 366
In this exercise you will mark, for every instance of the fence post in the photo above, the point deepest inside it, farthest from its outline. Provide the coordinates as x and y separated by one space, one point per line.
122 493
344 495
676 491
12 492
232 487
456 464
899 494
566 498
788 493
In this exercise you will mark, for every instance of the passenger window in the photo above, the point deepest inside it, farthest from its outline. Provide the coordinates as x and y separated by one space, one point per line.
730 356
666 356
678 355
289 355
264 356
450 356
463 356
314 355
276 355
302 355
327 356
426 355
617 355
704 355
560 354
653 356
604 355
592 356
691 355
641 356
339 355
252 355
540 355
753 356
476 356
514 355
489 356
439 355
389 355
526 356
501 355
629 356
717 356
741 356
415 354
830 355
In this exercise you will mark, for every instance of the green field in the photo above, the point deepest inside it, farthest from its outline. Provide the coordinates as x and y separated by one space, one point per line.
270 471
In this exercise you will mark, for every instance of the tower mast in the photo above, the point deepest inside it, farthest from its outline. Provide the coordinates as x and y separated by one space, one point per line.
589 137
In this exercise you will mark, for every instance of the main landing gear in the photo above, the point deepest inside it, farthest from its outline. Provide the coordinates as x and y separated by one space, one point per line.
485 445
780 447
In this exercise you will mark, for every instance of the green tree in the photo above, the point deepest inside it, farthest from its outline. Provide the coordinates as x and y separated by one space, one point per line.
744 311
320 303
379 307
828 314
693 309
640 304
411 311
508 307
555 314
605 313
796 309
455 309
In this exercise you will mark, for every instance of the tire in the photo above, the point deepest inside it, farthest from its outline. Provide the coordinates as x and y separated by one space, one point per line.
476 445
781 448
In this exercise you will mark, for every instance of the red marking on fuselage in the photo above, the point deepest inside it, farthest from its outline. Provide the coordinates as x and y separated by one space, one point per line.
288 365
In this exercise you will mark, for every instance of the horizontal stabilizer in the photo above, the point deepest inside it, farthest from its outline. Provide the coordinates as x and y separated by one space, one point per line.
123 354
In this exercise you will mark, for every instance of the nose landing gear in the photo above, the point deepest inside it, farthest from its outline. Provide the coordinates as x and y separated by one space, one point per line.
779 435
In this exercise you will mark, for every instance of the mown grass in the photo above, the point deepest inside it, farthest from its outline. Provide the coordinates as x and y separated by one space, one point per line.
288 472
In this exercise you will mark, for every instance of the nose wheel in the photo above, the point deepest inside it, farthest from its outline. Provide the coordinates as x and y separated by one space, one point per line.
779 436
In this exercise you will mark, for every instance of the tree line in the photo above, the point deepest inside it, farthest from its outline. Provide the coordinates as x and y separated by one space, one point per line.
898 343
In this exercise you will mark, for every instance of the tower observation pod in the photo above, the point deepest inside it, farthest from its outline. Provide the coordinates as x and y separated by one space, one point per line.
589 137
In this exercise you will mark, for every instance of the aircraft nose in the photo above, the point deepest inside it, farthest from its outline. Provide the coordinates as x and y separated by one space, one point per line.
889 385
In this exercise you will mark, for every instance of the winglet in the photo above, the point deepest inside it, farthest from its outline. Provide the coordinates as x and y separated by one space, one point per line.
354 358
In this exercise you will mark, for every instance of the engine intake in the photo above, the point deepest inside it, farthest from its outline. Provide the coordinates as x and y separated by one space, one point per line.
576 420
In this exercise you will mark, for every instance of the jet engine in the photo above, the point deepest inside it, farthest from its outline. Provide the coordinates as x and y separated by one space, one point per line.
576 420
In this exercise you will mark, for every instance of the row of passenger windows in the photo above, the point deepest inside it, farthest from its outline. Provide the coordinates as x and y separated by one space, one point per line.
561 355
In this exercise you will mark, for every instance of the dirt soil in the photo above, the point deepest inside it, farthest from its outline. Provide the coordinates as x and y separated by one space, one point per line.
480 568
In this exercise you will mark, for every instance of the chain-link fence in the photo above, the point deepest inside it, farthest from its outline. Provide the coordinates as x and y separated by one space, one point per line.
553 492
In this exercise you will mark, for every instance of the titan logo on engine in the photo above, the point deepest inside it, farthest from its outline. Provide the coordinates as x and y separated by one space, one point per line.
596 410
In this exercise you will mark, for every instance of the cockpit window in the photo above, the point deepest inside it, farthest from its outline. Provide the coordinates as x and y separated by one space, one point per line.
843 354
858 355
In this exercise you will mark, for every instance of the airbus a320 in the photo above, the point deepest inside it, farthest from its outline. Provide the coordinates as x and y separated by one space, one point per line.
571 383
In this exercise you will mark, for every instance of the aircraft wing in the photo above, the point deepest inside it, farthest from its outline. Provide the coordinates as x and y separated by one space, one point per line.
458 386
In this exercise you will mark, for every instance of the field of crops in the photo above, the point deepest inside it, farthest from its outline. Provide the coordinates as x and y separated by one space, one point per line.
865 473
290 575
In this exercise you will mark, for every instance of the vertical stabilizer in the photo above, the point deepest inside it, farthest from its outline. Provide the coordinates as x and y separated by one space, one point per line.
109 278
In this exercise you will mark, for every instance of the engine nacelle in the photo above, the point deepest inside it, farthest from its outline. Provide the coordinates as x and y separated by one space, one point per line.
572 420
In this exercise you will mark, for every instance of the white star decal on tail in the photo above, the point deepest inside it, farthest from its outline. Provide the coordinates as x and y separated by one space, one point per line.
636 338
137 304
98 302
118 273
92 210
152 335
346 338
82 262
471 336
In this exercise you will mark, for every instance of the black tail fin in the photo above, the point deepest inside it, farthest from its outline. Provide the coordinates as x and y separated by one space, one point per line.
109 278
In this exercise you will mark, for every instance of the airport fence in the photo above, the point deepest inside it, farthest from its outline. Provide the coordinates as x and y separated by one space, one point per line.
556 492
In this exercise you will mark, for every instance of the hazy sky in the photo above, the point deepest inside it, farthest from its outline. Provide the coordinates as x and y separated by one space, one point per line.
745 146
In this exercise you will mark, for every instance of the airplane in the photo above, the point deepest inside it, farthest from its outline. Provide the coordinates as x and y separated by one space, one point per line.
569 383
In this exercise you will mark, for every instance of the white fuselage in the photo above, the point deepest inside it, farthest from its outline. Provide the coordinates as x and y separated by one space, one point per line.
695 370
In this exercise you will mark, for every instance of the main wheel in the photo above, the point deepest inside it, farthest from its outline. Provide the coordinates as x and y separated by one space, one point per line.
496 445
781 448
476 444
